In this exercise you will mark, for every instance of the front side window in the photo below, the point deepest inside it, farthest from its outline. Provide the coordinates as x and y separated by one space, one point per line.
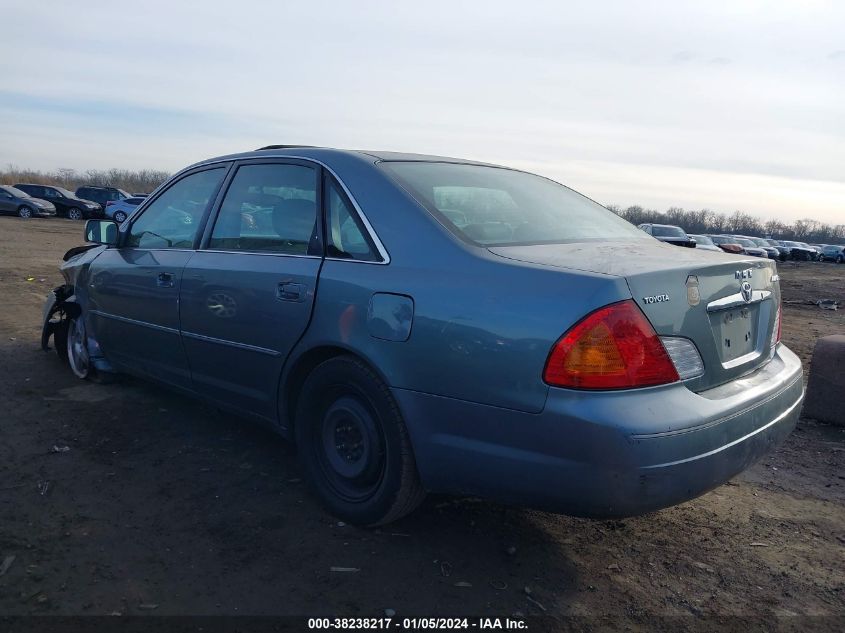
173 219
268 208
495 206
347 237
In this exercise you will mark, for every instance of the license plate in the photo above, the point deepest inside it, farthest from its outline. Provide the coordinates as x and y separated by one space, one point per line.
737 331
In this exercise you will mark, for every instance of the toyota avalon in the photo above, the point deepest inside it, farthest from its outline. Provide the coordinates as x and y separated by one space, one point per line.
419 323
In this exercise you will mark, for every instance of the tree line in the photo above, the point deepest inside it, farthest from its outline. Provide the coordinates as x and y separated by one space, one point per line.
738 222
131 181
701 221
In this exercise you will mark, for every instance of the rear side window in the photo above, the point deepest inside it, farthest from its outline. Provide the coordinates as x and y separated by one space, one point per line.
268 208
347 237
495 206
172 220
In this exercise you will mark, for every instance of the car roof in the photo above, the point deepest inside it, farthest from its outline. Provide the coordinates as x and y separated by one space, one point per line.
327 153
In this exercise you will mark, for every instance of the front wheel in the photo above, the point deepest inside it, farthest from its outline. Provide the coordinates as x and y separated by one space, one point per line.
354 445
74 214
76 344
119 217
840 259
25 212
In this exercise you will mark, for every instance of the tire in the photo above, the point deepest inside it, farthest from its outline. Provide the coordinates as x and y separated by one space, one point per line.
840 259
76 345
75 213
60 340
120 217
25 212
354 446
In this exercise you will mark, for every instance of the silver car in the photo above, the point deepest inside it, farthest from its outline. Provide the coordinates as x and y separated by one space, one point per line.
420 323
119 210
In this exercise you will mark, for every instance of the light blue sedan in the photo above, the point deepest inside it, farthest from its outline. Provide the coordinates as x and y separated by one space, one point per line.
420 323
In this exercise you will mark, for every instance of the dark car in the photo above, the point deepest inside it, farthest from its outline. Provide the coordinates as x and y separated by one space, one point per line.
783 251
800 251
508 353
104 196
669 234
833 253
16 202
67 203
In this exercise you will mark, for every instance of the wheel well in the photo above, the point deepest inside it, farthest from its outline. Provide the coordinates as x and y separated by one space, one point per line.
299 373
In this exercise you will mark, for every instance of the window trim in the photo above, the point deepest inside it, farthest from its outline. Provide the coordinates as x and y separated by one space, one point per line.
166 186
208 230
382 251
329 180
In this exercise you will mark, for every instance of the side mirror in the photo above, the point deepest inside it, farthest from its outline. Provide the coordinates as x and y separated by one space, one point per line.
101 232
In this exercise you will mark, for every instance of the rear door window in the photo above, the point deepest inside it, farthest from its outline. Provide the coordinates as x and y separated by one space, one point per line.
268 208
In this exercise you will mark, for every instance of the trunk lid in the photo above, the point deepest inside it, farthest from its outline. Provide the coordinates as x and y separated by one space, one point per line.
725 304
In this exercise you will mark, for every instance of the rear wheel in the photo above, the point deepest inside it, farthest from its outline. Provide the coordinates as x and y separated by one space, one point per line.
25 212
354 445
74 214
840 259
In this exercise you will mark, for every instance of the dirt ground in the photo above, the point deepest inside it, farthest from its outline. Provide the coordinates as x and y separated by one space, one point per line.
164 506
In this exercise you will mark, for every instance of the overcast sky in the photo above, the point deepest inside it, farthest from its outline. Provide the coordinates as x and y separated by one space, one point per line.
725 105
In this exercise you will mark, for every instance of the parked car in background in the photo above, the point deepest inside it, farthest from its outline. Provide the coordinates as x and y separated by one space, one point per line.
817 253
67 204
833 253
122 209
727 244
669 234
771 251
800 251
705 243
401 366
748 247
104 196
783 251
16 202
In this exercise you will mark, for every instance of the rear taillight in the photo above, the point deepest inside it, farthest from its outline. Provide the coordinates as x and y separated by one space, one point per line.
776 329
614 347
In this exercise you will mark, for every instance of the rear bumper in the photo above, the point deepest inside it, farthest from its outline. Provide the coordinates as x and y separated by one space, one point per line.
605 454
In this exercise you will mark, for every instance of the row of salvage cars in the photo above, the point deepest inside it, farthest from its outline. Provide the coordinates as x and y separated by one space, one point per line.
418 323
781 250
31 200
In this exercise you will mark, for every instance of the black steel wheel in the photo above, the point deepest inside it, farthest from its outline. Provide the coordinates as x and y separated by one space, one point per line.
354 445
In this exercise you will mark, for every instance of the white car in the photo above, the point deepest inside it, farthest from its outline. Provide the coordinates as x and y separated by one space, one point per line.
119 210
704 243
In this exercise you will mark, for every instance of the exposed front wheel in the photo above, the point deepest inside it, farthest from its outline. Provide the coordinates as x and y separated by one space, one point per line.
354 445
74 214
25 212
77 347
119 217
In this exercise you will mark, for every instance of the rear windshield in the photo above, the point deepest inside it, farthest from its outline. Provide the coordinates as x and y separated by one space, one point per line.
496 206
666 231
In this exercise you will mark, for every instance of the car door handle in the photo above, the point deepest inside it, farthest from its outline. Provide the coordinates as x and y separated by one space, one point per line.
164 280
289 291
